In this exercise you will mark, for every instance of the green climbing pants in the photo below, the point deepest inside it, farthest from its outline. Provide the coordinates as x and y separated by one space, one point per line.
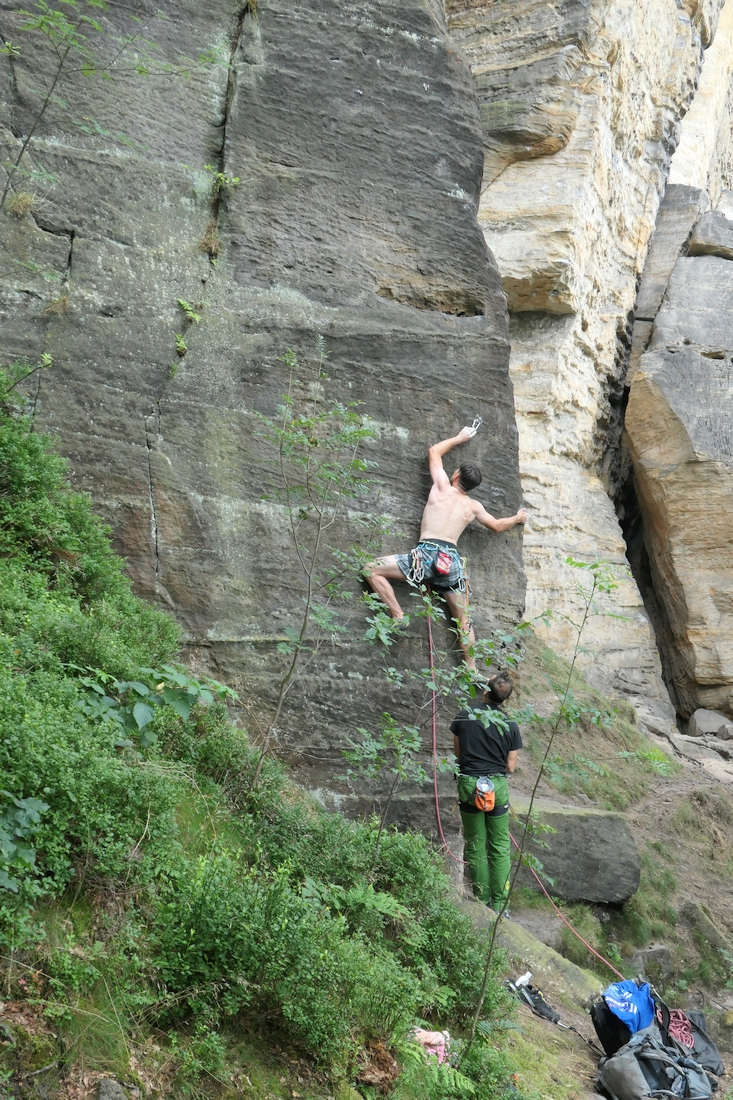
487 842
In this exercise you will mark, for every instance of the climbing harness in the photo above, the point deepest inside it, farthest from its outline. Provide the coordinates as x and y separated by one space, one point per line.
439 557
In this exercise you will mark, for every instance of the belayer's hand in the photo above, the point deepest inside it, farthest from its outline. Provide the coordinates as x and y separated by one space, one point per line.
466 433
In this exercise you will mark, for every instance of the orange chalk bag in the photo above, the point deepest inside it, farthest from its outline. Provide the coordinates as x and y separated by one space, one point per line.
484 797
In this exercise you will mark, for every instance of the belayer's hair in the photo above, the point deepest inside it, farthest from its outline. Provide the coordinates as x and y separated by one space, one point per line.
470 476
500 687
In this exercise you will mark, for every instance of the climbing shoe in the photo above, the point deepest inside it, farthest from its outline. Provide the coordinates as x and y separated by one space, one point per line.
536 1001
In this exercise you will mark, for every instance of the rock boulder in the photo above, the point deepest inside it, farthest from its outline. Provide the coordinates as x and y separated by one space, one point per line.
653 962
713 236
109 1089
591 856
710 723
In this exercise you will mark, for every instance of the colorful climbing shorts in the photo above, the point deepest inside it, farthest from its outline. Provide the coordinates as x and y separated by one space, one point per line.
437 563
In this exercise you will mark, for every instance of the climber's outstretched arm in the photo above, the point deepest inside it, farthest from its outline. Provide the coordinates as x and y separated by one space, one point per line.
487 520
436 452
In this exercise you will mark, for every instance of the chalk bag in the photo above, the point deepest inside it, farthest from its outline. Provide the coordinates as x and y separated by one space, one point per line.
484 798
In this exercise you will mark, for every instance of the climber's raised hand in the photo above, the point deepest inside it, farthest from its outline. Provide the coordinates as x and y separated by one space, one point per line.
465 434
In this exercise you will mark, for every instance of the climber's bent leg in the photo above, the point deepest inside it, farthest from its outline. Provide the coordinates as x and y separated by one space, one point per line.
458 607
378 575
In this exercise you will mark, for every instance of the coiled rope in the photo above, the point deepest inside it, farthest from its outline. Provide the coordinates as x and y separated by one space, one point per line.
679 1027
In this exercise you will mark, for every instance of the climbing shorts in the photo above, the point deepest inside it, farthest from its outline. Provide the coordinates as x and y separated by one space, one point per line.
435 562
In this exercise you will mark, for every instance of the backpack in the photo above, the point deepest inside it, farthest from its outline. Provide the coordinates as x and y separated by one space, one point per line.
646 1068
633 1008
705 1051
612 1032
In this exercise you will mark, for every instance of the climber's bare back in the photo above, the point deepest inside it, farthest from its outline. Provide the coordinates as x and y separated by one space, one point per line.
447 513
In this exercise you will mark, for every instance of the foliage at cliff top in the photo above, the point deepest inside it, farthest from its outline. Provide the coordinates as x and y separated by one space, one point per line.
145 888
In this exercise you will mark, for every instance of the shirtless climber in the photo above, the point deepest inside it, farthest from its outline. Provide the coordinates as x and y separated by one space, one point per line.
448 512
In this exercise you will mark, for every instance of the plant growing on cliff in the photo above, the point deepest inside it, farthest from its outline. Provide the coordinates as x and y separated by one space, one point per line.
18 371
397 750
318 472
220 181
77 44
393 751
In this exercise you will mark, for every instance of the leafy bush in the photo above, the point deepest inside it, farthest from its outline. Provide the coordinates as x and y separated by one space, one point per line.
232 937
18 823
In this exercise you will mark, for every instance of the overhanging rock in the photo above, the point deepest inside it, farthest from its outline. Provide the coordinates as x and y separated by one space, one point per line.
591 856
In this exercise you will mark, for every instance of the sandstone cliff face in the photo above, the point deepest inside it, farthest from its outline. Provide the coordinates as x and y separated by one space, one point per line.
680 407
355 132
580 103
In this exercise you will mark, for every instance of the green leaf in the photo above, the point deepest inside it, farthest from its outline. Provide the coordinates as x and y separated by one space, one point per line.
181 706
8 883
143 713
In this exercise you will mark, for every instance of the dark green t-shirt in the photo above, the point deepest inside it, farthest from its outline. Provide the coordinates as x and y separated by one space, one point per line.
484 747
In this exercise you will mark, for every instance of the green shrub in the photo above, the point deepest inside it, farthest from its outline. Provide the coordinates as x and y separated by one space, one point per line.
232 938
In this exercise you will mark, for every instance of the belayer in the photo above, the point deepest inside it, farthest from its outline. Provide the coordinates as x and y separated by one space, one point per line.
487 745
435 559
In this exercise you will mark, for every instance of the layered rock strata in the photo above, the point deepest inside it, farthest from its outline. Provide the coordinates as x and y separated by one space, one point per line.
580 104
354 135
679 424
680 410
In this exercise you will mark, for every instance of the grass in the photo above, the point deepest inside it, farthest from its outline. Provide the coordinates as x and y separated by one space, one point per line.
57 306
21 203
548 1063
210 240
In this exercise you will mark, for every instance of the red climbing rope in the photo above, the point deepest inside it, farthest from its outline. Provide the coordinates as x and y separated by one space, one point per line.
679 1027
566 921
435 746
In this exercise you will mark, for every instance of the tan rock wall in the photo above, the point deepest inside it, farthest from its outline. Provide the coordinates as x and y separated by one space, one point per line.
568 214
680 411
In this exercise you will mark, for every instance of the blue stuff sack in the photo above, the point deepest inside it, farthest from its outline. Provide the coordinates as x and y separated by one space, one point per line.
631 1003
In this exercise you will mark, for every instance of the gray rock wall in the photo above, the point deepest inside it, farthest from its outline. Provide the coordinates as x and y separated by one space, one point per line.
679 425
355 132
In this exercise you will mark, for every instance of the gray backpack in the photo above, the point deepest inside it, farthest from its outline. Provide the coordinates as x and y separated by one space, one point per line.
645 1068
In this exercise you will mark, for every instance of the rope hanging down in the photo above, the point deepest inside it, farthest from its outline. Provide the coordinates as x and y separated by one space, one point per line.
434 716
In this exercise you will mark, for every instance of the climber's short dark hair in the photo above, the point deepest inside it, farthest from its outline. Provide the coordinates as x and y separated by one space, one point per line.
470 476
500 686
